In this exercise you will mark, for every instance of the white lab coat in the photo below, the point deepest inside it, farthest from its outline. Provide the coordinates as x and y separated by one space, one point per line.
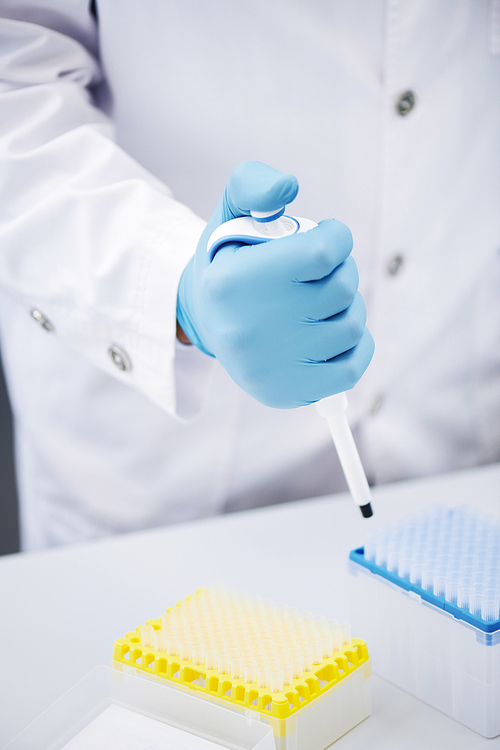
92 239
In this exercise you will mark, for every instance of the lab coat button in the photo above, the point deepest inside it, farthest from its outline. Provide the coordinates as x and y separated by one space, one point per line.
405 103
120 358
376 404
41 319
394 265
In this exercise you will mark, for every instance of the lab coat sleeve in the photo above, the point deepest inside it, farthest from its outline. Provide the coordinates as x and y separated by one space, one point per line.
88 237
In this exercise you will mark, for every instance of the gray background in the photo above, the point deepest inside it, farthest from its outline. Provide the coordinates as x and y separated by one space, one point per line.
9 529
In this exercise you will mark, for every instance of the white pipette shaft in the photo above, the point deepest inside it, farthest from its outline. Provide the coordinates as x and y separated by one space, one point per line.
333 409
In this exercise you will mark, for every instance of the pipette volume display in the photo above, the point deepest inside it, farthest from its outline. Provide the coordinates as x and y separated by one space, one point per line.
263 226
259 227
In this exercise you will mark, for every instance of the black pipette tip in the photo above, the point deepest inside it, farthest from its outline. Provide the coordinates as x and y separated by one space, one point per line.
366 510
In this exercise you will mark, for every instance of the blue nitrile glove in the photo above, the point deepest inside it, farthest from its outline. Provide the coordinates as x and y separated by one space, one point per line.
284 318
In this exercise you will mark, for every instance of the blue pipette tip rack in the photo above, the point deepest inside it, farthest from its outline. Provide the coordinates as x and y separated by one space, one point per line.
358 556
426 592
450 557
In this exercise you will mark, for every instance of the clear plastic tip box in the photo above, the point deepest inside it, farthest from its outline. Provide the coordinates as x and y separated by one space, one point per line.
426 594
302 675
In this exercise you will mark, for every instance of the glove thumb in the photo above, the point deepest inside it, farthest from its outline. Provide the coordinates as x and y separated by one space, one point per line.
253 186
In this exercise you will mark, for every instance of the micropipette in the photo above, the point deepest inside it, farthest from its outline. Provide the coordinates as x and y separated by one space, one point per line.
262 226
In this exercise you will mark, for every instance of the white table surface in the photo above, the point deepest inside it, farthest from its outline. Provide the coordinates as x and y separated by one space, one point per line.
62 609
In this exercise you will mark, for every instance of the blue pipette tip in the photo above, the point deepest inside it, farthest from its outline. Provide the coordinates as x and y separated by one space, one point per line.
366 510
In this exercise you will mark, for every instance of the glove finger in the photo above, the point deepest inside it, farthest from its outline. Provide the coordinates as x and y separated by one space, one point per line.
325 340
336 292
268 266
317 380
340 373
311 255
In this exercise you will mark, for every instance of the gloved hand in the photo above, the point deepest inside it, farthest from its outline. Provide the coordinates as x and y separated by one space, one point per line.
284 318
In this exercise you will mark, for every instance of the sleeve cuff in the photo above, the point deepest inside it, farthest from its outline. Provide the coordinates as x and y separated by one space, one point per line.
128 329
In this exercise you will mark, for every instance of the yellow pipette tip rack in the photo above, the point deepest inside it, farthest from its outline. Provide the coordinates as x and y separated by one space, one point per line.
255 655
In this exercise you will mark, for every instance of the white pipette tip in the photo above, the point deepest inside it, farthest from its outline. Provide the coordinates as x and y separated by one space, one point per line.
333 409
366 510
